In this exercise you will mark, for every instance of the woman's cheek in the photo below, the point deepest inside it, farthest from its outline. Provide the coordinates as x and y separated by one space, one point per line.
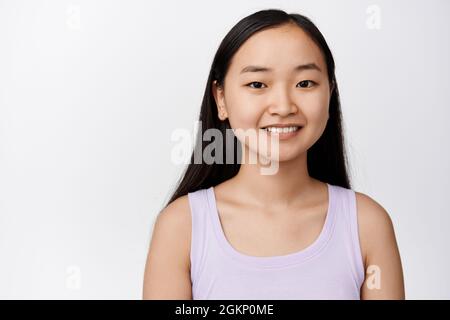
317 107
244 115
316 114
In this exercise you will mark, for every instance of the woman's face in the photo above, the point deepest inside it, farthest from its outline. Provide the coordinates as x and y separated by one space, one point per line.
282 94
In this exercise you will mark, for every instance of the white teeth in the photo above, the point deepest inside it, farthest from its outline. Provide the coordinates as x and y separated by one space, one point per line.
281 130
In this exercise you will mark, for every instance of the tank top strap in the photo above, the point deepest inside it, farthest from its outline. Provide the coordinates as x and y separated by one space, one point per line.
349 214
199 219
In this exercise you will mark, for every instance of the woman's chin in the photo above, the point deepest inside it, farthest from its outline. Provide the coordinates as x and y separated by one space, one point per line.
284 155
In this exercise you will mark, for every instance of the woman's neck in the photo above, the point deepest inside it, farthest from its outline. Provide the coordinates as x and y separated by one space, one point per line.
283 187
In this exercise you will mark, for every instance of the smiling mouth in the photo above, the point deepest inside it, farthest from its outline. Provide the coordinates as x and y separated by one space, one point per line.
282 130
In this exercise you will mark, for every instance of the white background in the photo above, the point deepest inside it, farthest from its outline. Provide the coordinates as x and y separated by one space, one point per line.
90 92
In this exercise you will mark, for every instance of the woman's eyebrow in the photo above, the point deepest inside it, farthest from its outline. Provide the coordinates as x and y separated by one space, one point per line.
299 68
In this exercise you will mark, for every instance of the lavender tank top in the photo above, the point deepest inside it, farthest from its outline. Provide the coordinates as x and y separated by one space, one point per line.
329 268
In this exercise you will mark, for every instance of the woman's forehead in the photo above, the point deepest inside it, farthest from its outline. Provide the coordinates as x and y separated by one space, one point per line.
277 48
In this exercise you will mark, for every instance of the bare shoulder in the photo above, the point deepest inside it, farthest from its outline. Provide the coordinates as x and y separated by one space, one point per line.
167 270
176 217
382 262
370 212
173 226
374 222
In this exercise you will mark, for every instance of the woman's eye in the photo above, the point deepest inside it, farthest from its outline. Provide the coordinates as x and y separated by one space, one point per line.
255 82
304 83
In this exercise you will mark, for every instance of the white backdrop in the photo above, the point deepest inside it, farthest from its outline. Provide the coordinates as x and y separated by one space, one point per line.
90 92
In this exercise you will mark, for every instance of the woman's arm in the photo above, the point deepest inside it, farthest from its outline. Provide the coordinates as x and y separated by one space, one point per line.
167 270
383 268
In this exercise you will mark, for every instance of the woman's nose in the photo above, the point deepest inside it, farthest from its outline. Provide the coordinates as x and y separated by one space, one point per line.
282 104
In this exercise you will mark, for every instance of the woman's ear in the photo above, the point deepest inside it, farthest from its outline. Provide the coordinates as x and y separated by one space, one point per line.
332 86
219 97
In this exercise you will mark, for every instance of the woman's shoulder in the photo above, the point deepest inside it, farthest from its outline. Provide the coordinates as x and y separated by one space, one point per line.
371 213
374 224
175 217
176 212
382 261
167 271
173 227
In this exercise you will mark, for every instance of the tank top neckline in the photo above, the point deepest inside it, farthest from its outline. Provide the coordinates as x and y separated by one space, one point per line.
279 260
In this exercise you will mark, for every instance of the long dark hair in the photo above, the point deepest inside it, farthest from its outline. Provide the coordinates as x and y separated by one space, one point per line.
326 159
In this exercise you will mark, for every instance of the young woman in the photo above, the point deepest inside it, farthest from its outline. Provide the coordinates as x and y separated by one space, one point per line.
231 232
